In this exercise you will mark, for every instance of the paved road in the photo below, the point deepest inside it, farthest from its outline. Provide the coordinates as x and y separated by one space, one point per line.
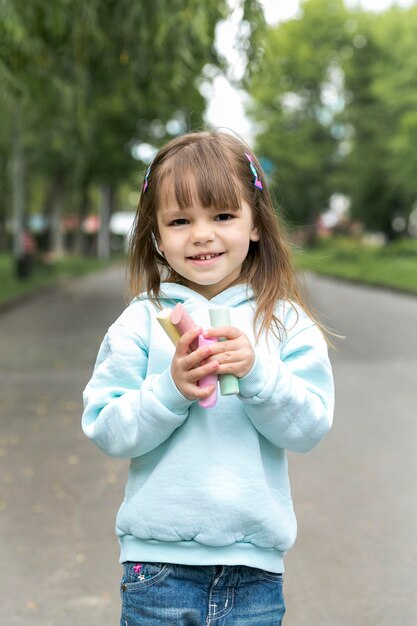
355 495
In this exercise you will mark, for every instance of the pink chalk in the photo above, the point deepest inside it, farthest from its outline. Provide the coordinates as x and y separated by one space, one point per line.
183 322
210 379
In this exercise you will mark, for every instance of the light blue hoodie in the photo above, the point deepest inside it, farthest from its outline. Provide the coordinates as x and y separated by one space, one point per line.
208 486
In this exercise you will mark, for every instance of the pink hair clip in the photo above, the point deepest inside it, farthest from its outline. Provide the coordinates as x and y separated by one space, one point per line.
145 182
257 181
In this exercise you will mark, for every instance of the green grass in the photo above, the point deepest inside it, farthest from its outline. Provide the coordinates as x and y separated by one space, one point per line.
43 274
393 265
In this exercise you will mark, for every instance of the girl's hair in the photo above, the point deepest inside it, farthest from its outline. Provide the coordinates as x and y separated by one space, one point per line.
213 168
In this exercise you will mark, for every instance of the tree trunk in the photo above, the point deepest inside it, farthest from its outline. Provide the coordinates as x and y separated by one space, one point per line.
17 171
4 202
106 205
53 210
23 245
84 209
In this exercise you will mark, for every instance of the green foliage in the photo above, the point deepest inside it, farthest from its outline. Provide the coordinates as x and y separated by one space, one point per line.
95 77
395 87
379 80
336 101
300 65
393 265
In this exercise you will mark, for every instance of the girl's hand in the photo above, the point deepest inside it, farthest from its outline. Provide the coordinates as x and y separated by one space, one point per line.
187 367
235 355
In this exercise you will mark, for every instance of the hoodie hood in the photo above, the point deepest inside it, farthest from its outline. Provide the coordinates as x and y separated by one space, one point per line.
231 297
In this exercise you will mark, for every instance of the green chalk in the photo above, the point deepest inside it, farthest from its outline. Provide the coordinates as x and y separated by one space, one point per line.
229 384
220 316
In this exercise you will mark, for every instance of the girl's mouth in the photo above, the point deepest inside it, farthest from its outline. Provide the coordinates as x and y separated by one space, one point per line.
205 257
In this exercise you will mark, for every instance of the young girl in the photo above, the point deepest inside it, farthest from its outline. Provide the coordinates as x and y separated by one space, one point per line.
207 515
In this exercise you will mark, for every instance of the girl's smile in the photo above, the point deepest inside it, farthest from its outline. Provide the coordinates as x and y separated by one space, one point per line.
206 246
205 258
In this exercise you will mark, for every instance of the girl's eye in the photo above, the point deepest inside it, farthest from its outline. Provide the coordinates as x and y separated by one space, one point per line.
179 222
224 217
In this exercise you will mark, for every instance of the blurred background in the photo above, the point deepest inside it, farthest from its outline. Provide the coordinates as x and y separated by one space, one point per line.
325 91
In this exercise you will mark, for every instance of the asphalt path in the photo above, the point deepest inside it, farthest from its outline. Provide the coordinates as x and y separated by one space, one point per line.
355 494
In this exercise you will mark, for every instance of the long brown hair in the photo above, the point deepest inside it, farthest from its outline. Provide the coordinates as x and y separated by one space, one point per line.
213 168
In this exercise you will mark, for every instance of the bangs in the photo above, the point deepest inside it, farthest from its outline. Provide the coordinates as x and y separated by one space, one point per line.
199 174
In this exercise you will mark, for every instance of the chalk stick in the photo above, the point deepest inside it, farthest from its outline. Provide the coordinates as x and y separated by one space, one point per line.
229 384
164 319
210 379
183 322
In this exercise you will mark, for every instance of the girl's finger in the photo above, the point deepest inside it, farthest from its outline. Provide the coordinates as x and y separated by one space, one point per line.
196 374
219 347
237 369
200 393
185 341
197 357
229 332
206 391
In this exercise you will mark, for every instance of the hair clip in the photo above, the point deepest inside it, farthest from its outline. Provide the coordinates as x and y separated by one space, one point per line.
145 182
257 181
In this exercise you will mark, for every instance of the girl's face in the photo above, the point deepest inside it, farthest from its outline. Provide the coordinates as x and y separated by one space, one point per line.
206 246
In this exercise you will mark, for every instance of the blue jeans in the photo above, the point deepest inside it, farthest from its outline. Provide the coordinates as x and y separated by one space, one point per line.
183 595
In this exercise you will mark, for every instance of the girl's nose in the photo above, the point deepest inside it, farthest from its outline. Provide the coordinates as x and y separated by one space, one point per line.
202 232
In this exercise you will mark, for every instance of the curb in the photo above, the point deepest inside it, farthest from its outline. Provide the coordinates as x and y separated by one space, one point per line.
361 283
32 294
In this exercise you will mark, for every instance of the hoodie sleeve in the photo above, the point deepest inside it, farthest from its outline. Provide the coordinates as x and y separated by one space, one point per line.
127 413
290 397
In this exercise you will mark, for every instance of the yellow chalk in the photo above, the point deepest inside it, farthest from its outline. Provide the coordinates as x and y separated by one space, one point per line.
164 318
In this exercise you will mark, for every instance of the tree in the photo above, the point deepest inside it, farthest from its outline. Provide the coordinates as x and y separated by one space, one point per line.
379 78
100 76
297 92
336 99
17 49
